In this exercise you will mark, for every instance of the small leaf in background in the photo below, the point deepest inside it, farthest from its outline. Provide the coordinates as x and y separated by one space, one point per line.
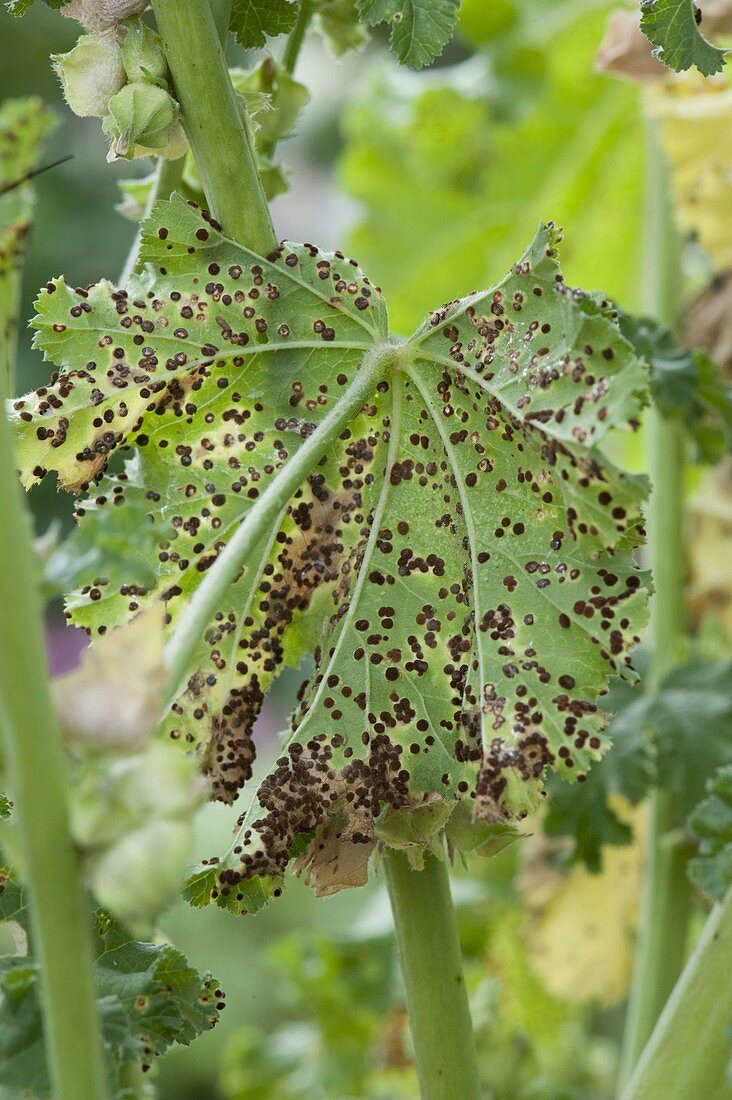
117 549
686 385
696 697
149 998
655 741
253 21
420 29
340 26
673 27
711 821
24 125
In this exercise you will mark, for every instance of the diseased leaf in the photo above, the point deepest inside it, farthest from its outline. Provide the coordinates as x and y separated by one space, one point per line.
148 997
24 124
254 21
420 29
686 385
711 821
460 560
672 26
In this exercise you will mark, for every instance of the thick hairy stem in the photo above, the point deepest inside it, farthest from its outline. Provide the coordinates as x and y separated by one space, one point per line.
213 121
203 604
168 176
39 787
688 1052
666 900
431 963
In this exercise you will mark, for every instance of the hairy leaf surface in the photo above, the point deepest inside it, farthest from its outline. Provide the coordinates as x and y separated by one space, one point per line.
253 21
420 29
460 559
673 27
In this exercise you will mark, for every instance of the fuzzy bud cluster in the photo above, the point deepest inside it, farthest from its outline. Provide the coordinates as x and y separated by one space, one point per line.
118 72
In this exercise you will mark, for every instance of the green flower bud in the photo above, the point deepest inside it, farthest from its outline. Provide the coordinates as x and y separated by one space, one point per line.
109 800
138 877
91 74
139 114
177 145
143 56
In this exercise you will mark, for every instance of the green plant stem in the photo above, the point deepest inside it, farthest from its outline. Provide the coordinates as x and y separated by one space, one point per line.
290 55
431 963
688 1052
39 787
221 11
296 36
202 606
214 123
168 176
666 895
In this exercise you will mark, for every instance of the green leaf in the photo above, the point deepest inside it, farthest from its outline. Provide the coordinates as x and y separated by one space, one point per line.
672 26
460 561
254 21
339 24
586 813
149 998
711 821
686 385
24 125
697 697
106 550
655 742
444 207
420 29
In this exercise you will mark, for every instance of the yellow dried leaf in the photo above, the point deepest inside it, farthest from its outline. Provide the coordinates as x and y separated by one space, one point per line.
696 131
581 928
337 857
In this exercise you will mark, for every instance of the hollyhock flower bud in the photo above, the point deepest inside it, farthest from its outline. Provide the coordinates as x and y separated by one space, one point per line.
91 73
